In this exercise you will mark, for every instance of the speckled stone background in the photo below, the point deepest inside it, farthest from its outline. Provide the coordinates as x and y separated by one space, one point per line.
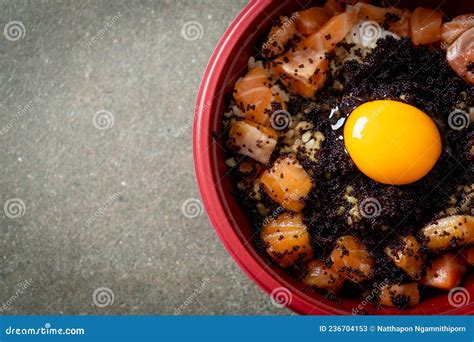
96 175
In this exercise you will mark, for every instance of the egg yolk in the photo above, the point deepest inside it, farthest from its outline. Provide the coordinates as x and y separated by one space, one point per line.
392 142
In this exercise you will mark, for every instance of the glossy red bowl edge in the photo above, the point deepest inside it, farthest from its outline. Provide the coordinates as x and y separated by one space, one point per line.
227 63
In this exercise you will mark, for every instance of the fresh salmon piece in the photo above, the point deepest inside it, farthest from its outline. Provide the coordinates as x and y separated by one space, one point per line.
280 34
401 296
451 30
460 55
351 258
286 239
308 88
303 71
407 256
468 256
323 277
310 20
255 94
287 183
298 64
445 272
332 32
451 231
253 140
425 25
337 6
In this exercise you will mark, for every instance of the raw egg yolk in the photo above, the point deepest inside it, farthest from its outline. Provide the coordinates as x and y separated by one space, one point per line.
392 142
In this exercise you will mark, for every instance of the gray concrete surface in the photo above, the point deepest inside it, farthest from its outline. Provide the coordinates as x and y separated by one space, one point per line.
96 161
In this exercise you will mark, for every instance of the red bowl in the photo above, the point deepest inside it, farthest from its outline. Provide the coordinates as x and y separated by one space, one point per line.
227 64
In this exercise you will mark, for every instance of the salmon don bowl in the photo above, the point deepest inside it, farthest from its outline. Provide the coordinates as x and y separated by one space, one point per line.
334 150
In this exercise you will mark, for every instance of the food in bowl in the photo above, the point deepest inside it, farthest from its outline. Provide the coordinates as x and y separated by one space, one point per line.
351 149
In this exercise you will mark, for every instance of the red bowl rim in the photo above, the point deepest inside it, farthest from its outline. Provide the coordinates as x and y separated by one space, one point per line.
300 303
